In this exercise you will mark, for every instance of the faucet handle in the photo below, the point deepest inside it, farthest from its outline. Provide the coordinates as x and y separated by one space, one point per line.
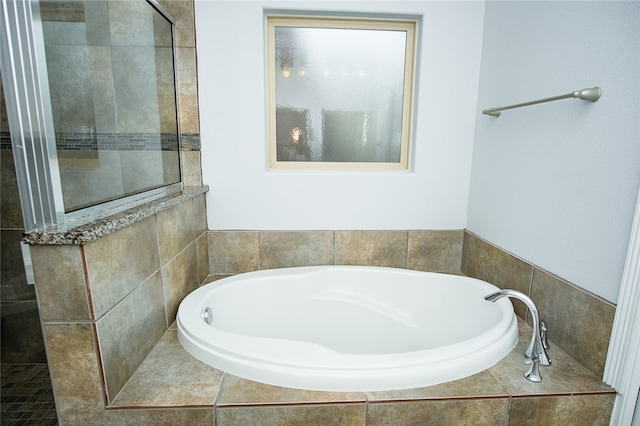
543 334
533 372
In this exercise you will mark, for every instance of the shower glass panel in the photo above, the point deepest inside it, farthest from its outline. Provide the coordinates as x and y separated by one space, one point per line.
110 66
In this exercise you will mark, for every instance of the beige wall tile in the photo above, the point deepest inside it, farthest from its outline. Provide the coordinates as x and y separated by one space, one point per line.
592 410
129 332
191 168
320 415
563 376
371 248
182 13
200 214
492 264
202 248
74 369
180 277
60 282
475 412
194 416
579 322
233 252
176 230
283 249
187 82
117 263
238 391
435 251
481 384
171 377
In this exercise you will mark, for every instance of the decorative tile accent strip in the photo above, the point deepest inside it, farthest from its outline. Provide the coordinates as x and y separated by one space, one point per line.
117 141
190 142
101 226
82 141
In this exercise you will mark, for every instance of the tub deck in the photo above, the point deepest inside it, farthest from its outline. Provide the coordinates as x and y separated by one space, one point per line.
198 394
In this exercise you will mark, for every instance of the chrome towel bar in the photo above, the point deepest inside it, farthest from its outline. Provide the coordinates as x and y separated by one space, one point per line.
591 94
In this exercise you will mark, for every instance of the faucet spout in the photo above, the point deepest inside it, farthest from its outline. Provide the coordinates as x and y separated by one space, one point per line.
536 348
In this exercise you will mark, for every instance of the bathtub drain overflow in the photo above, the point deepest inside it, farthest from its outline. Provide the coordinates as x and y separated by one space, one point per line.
207 315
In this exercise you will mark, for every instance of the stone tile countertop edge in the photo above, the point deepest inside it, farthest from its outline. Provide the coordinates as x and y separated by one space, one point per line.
104 224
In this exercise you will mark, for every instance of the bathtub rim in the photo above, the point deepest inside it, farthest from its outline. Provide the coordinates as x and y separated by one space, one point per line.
376 372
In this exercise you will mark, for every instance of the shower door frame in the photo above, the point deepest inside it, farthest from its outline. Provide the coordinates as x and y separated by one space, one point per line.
29 113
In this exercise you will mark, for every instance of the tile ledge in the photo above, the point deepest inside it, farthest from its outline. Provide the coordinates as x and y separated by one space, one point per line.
579 382
101 226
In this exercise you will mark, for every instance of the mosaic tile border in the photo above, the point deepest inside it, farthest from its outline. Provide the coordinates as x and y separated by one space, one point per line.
76 141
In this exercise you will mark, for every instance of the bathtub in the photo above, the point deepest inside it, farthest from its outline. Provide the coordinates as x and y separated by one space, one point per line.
347 328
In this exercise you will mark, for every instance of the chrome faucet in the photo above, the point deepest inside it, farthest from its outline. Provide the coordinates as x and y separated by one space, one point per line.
535 352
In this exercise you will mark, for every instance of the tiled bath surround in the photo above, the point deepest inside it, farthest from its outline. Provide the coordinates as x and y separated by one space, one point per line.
106 303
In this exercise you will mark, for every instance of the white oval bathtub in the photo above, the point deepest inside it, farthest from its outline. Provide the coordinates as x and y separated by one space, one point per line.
347 328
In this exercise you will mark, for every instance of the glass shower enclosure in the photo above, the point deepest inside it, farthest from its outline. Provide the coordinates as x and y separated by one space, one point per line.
92 99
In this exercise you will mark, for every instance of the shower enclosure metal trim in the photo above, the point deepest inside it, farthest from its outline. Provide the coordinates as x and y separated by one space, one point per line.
29 114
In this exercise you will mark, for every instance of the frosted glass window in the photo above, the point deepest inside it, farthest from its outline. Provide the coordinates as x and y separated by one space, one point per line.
340 93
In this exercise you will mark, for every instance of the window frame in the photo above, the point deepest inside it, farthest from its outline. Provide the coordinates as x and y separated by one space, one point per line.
409 25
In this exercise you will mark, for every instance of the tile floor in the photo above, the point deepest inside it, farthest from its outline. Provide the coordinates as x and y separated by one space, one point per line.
26 395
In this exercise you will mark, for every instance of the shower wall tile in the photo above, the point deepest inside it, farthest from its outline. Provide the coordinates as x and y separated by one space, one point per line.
371 248
233 252
487 262
191 168
477 412
96 23
325 415
282 249
21 337
578 322
75 372
146 169
103 100
590 410
435 251
13 280
130 24
60 282
68 67
117 263
131 65
10 209
180 277
176 229
187 82
81 184
129 331
183 14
